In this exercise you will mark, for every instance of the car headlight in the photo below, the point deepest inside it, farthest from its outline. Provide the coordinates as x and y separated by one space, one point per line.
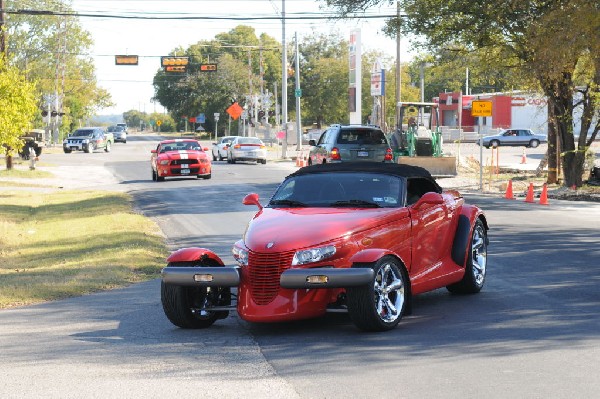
163 162
313 255
241 255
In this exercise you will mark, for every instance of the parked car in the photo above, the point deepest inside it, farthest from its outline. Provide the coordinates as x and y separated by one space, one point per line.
180 157
247 149
514 138
119 133
356 237
219 149
88 139
344 143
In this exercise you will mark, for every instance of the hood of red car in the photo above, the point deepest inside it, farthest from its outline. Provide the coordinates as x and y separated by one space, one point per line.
182 155
288 229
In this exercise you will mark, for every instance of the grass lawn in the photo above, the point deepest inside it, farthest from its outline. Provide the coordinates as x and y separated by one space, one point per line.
62 244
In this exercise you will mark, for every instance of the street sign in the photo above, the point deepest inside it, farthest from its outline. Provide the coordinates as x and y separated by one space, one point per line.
201 118
158 122
217 116
298 92
481 108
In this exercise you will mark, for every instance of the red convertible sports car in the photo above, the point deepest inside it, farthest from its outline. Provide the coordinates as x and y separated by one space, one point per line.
180 157
356 237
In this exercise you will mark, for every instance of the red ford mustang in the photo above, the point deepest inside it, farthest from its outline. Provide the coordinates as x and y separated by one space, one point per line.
362 238
180 157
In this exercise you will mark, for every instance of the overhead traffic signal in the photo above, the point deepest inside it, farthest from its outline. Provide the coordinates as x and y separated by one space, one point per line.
208 67
176 69
126 59
174 61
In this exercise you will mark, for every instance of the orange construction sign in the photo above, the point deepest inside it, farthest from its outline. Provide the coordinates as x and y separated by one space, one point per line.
234 110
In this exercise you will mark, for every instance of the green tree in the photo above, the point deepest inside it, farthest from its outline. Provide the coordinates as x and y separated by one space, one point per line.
18 107
50 50
545 43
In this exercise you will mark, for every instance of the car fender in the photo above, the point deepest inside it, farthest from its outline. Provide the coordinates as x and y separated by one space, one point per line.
464 229
372 255
193 254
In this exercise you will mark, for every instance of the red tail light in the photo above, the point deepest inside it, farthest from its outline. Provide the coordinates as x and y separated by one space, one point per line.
335 154
388 155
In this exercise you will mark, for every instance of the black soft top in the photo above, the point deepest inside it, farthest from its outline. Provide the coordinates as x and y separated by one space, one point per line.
395 169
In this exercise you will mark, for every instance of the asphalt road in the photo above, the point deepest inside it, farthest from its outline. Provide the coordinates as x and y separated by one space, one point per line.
532 332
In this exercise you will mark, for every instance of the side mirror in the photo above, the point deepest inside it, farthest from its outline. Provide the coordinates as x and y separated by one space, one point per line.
312 143
252 199
430 198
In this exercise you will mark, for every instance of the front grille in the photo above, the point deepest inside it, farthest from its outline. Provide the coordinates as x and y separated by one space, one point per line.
184 162
264 270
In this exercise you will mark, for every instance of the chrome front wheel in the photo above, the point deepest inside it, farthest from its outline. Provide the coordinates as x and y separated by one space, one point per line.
381 305
476 266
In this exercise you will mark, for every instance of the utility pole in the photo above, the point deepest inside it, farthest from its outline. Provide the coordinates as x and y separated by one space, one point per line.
298 94
284 115
398 71
3 50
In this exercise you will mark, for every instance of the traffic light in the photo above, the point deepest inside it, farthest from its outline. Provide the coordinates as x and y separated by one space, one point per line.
261 114
126 59
208 67
176 69
44 112
174 61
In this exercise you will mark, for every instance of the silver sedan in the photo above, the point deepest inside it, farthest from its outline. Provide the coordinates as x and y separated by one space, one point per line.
247 149
514 138
219 149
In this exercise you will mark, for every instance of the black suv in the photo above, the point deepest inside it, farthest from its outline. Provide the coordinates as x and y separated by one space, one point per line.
345 143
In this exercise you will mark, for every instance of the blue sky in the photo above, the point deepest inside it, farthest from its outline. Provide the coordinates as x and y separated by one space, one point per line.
131 86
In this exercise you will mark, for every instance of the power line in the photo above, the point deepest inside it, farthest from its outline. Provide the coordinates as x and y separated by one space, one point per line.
163 16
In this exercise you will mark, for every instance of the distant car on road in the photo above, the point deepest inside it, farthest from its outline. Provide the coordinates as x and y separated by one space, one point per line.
119 133
350 143
88 139
247 149
219 149
180 157
514 138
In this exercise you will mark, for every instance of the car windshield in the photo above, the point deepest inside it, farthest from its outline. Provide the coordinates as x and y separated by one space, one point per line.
82 133
361 136
249 140
339 190
181 146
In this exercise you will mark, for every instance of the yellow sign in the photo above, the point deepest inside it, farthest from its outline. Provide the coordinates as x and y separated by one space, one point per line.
481 108
159 122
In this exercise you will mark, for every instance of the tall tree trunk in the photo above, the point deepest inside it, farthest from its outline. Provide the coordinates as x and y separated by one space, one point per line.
551 154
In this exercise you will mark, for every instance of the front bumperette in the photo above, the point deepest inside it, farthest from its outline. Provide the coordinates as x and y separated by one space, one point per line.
222 276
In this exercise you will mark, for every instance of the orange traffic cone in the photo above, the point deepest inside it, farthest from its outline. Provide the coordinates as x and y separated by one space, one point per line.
299 160
509 191
524 157
544 195
529 197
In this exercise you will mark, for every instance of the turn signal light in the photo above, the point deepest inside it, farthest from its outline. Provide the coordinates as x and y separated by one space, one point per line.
317 279
237 146
335 154
203 278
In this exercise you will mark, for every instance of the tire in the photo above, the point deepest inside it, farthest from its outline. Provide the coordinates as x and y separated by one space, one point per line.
373 307
107 148
475 269
66 151
263 161
182 304
205 177
214 157
124 141
494 143
232 159
154 175
220 157
159 178
534 143
89 148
